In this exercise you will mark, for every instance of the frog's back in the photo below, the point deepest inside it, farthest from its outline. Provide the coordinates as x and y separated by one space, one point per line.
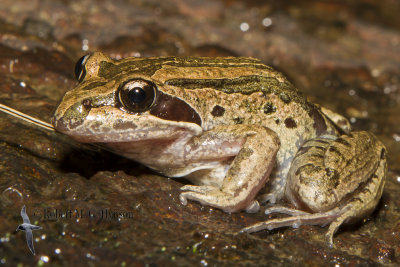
244 85
230 75
163 67
228 90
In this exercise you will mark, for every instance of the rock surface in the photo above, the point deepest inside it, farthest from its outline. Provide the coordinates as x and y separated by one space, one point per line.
100 209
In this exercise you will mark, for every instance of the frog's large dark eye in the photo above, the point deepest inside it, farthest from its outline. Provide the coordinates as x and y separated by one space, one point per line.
137 95
80 70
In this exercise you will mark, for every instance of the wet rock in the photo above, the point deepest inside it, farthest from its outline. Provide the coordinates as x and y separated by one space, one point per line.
98 208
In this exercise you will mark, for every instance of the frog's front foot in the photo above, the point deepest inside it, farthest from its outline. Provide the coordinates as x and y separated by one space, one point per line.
213 196
207 195
247 173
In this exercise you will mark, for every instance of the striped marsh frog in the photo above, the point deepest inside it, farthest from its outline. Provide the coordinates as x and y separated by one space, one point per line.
232 126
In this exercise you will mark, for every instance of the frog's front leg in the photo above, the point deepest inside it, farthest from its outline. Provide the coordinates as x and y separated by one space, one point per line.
247 173
335 180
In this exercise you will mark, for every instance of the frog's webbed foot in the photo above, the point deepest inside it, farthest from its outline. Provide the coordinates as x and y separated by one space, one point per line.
213 196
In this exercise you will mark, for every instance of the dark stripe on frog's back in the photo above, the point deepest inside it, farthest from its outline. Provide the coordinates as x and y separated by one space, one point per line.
243 85
148 66
256 83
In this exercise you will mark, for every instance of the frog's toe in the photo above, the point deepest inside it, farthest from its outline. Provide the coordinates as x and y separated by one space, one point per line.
203 189
205 194
337 222
209 199
255 227
183 199
285 210
297 219
268 198
216 198
253 207
329 239
195 192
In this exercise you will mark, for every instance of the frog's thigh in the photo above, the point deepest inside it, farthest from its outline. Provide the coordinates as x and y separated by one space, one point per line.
338 179
247 174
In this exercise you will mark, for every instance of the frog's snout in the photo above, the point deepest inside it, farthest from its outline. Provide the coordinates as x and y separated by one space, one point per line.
66 125
67 118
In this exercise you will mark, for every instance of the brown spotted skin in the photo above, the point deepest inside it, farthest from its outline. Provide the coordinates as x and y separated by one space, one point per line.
231 125
342 166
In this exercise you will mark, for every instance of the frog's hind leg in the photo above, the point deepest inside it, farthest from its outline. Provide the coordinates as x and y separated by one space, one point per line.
337 180
335 217
363 203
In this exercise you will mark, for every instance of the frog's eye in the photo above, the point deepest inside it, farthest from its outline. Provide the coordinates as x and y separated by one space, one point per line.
80 70
137 95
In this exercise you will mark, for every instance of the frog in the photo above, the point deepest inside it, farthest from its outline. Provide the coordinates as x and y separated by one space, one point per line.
237 129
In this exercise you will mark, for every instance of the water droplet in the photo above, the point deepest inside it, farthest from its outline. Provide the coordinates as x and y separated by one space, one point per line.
375 73
90 256
396 137
44 259
4 239
266 22
85 45
204 262
244 26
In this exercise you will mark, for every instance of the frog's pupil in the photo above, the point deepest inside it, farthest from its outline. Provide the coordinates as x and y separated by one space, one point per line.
137 95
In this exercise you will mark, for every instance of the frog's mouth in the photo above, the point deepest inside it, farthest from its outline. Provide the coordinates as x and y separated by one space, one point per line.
132 128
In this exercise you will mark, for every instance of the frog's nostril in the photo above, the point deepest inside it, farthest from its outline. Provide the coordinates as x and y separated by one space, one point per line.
87 103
